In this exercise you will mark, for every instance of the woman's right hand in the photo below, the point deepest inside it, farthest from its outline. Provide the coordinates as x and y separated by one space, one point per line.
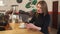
27 26
32 26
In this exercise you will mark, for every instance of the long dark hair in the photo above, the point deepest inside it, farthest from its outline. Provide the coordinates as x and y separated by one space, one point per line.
43 7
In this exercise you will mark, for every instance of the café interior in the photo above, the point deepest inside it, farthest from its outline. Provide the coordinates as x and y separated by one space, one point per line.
14 14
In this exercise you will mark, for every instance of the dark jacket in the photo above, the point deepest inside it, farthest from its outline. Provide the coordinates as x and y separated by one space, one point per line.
41 21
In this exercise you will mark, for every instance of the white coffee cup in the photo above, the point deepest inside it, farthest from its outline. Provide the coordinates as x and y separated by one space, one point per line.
22 25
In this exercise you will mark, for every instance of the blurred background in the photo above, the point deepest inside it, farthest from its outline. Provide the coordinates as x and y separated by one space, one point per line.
16 11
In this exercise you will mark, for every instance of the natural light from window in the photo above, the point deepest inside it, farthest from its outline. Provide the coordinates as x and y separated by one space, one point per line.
1 3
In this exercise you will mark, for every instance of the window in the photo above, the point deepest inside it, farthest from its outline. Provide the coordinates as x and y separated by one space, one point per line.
1 3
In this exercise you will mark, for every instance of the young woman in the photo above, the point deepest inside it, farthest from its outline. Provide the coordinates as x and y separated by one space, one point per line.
40 20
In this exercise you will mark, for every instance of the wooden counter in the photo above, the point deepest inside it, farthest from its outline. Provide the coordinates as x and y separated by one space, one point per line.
17 30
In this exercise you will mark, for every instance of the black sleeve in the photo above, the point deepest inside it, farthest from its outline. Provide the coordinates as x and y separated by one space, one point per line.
46 24
46 21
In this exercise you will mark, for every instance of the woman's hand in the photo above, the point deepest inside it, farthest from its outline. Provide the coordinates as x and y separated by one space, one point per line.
32 26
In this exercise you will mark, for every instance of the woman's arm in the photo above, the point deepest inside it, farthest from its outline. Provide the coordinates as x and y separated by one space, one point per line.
45 25
32 26
46 21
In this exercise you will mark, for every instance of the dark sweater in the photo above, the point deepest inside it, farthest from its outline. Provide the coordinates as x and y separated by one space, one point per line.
41 21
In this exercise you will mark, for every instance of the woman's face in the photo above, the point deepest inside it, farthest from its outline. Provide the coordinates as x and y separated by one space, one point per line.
39 9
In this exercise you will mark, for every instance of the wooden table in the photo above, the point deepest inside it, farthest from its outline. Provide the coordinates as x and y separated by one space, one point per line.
17 30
